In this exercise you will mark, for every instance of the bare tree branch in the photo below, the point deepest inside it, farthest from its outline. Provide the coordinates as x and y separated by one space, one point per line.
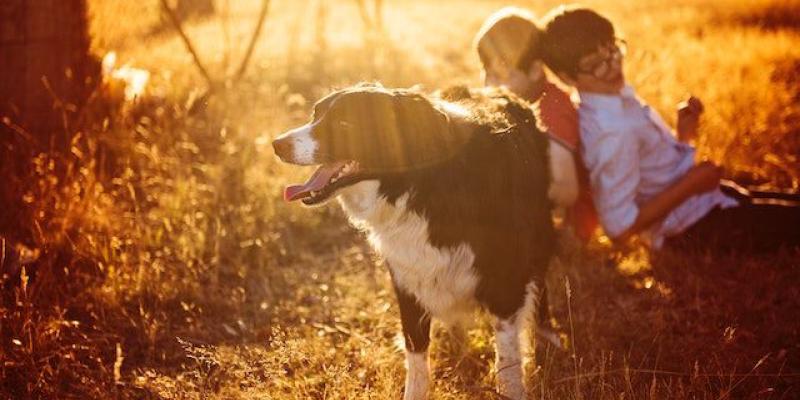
225 16
176 23
372 16
362 9
246 60
379 14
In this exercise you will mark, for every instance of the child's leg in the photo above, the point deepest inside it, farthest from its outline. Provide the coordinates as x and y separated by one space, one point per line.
754 195
753 227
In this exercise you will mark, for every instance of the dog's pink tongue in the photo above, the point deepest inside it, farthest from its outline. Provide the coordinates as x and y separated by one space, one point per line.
317 181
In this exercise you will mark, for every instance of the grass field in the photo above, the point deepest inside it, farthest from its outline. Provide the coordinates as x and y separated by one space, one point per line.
169 267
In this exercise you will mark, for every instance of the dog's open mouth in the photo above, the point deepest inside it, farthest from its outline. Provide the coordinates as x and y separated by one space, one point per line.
324 182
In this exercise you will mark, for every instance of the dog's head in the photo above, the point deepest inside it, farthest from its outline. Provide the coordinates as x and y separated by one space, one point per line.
364 132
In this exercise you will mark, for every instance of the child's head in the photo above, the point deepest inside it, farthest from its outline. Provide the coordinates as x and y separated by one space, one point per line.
580 46
508 41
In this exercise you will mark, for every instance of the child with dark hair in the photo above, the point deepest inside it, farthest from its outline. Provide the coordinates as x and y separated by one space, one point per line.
644 179
507 45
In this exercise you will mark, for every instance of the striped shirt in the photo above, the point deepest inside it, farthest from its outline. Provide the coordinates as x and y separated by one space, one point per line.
632 156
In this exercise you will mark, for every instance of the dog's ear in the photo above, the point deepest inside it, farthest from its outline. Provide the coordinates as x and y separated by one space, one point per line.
416 112
430 128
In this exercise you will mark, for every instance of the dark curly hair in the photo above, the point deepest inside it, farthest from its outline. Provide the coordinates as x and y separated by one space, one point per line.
569 34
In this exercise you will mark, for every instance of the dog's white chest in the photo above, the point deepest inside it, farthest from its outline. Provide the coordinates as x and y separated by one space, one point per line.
442 279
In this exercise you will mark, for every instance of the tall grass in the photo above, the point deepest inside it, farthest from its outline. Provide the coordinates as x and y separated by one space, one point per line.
168 266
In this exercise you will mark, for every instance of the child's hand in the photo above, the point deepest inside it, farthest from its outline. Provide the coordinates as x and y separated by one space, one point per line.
689 118
705 176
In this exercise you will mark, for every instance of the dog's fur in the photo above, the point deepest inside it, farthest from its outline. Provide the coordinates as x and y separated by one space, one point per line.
453 193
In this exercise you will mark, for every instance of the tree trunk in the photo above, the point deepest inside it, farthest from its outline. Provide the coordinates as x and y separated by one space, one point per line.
47 70
46 76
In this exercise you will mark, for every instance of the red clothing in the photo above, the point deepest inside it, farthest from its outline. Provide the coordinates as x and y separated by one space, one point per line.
559 118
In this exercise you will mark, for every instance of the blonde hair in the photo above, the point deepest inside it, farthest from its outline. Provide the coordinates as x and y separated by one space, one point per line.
509 34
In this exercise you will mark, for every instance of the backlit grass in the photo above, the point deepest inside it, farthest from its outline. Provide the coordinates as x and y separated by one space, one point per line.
169 265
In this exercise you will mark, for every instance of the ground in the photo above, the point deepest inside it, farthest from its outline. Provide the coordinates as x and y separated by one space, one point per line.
182 274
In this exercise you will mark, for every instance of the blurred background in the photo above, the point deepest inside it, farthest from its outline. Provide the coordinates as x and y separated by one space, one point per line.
145 251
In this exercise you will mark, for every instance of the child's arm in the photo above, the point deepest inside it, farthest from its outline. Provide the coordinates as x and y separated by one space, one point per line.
557 116
613 160
701 178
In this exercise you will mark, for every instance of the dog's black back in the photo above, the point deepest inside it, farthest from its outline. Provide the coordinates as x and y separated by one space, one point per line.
491 195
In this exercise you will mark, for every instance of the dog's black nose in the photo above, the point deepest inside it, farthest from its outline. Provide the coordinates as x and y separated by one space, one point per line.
282 146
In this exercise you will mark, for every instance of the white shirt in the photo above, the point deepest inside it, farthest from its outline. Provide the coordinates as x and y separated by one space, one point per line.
632 156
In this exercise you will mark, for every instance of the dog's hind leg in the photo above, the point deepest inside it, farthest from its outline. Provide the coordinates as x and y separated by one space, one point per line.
508 360
417 376
512 303
416 332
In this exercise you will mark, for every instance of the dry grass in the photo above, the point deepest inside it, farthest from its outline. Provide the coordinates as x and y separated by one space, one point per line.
169 267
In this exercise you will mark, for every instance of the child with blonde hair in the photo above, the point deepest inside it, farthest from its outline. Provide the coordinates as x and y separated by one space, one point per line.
507 45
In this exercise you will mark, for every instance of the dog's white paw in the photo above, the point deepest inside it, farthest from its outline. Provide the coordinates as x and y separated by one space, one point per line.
417 376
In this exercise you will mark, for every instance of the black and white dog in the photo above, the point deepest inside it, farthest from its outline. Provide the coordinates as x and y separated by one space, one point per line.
455 194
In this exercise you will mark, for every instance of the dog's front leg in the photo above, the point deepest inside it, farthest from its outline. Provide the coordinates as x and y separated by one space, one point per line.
416 332
509 357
